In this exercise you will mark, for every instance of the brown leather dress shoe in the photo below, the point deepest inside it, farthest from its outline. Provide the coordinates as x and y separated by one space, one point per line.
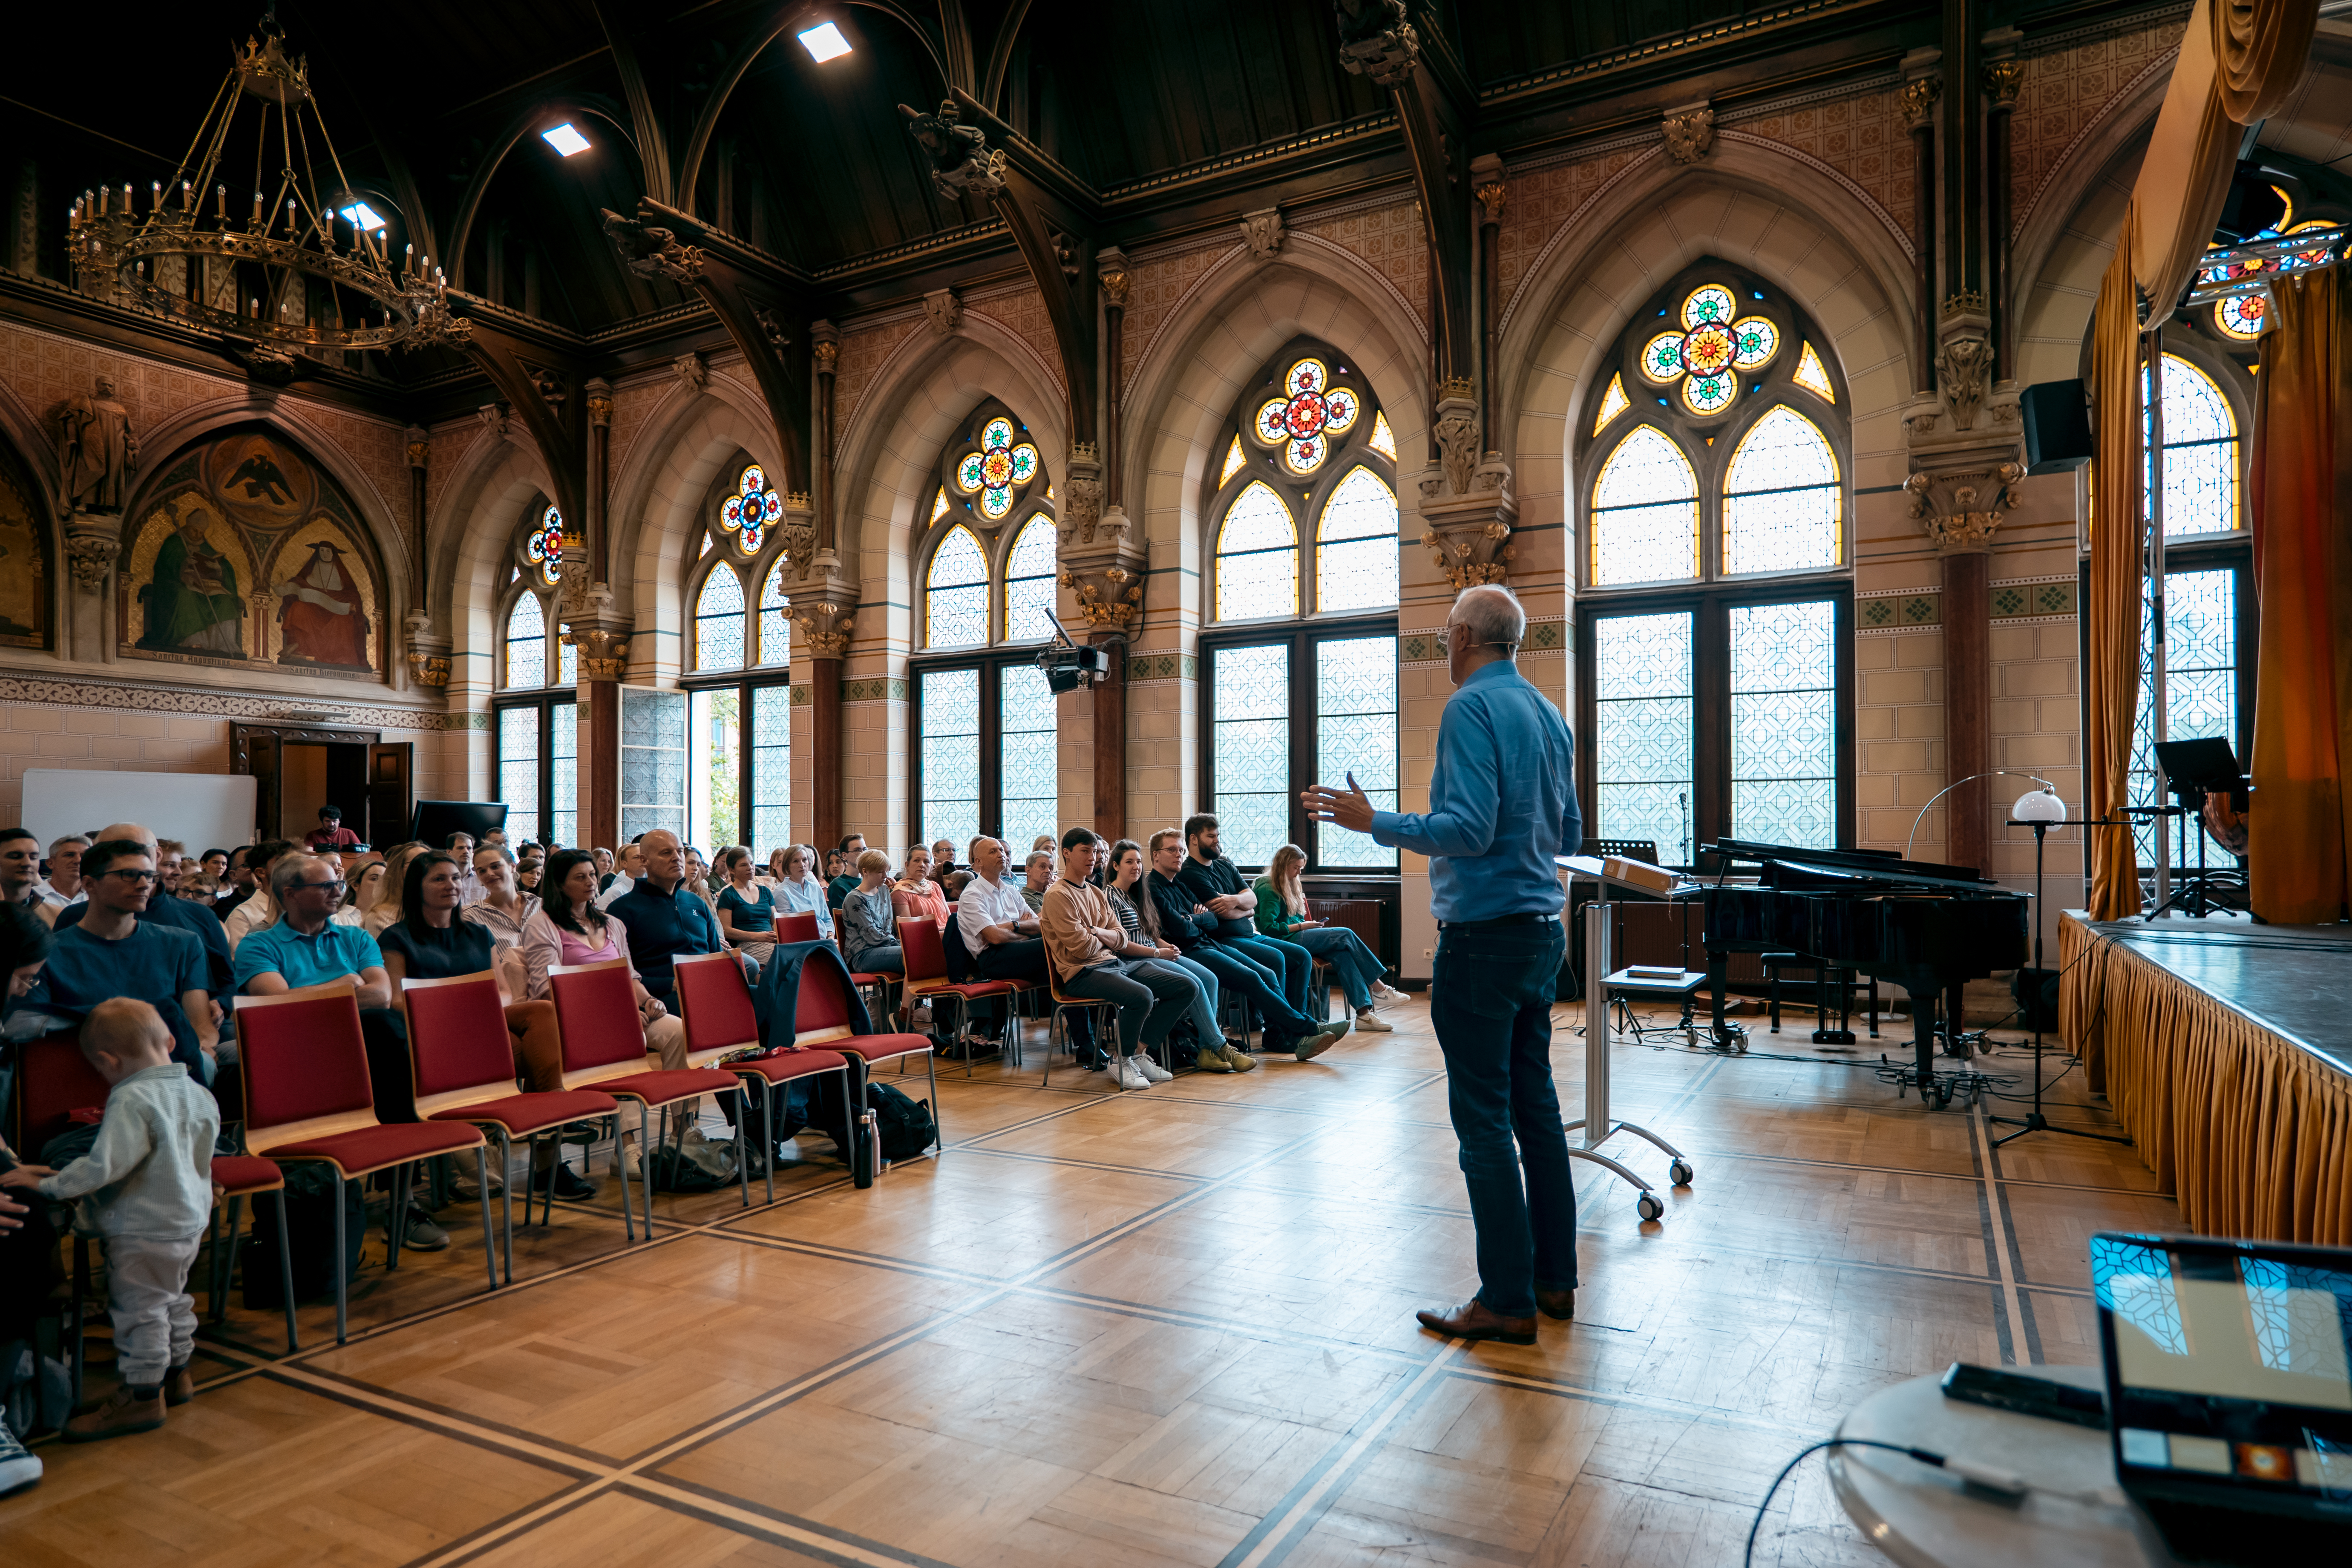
179 1386
123 1414
1557 1303
1473 1320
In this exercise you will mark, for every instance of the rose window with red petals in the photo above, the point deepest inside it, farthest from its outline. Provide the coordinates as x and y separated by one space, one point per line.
1000 467
1715 345
746 515
544 547
1311 411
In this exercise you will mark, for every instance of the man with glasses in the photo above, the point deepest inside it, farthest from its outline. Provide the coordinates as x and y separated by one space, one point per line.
196 919
111 952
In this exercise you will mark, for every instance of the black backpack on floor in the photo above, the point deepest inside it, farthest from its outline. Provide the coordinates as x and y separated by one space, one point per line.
904 1126
312 1192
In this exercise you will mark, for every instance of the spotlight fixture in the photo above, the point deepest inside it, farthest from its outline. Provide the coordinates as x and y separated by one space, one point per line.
565 140
825 42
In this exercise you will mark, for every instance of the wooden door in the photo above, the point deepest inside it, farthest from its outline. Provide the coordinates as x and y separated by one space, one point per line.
264 760
392 766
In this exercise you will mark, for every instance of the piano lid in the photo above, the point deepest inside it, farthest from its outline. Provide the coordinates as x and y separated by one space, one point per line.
1860 866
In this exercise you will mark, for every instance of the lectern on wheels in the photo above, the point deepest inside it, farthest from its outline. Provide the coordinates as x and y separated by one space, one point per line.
1596 1125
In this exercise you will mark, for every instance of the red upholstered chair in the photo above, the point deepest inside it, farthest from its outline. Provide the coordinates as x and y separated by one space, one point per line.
307 1098
801 927
605 1049
459 1049
716 1004
873 985
821 1018
1106 1014
927 979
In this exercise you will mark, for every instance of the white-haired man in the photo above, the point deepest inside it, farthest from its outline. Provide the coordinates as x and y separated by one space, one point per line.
1502 804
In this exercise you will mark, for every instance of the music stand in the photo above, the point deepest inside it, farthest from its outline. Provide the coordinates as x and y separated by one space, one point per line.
2193 769
2034 1120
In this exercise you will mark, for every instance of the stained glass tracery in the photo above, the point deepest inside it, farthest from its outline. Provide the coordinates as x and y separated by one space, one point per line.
1781 511
1002 466
1234 458
719 621
1704 358
746 515
775 631
1356 546
544 547
1384 439
1612 403
1310 412
1811 375
1029 573
955 597
2201 452
526 642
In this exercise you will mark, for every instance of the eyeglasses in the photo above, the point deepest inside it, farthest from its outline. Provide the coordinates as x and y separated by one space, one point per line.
136 876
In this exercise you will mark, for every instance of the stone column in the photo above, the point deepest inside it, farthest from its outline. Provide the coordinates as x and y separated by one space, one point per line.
1919 94
600 635
822 611
1099 560
1486 184
2002 79
428 653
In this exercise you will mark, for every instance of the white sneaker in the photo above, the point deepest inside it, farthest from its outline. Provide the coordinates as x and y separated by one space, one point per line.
1128 1075
1386 996
18 1468
1152 1071
1371 1023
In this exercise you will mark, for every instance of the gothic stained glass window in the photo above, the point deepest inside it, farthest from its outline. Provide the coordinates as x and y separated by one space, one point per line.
2201 452
955 600
1250 747
1257 557
1384 439
543 547
1644 513
769 737
719 621
1812 377
1029 576
526 642
751 511
1001 466
1028 770
1612 403
775 631
1705 357
1356 732
519 762
1643 718
1783 723
563 771
1356 546
2200 677
1780 500
1301 422
1234 459
950 754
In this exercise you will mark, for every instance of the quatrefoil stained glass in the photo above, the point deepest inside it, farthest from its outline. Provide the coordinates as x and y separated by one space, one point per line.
545 547
748 513
1710 350
1001 467
1310 412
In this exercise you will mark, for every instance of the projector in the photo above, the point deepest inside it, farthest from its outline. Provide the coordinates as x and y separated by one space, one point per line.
1067 666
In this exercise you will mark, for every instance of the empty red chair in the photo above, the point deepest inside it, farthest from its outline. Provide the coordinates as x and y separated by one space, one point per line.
821 1018
307 1098
801 927
459 1049
604 1048
715 1001
927 979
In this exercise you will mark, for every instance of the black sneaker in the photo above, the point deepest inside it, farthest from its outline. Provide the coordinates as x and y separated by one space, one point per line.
424 1236
571 1186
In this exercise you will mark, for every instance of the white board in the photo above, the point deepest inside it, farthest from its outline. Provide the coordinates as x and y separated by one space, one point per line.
204 810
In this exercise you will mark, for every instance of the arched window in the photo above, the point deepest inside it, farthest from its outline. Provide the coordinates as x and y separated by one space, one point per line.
775 631
745 516
1356 546
955 597
526 642
719 621
543 548
1257 557
1029 577
2201 452
1713 690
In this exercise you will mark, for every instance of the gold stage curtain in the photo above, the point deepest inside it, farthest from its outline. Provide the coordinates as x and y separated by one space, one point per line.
2112 675
2301 491
2248 1132
2259 53
2185 175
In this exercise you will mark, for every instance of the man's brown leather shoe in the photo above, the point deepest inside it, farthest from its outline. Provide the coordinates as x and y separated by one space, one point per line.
1472 1320
122 1413
1557 1303
179 1386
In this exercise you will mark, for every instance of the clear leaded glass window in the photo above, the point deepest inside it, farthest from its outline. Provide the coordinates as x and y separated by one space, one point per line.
1356 734
1250 688
1257 557
526 642
563 771
955 598
775 631
2201 677
1356 546
1784 723
719 621
1781 499
2201 452
1028 769
1645 513
949 702
769 811
519 735
1644 712
1029 576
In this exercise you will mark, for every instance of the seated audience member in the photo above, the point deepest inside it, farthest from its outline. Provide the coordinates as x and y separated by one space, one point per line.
841 868
774 872
433 940
799 893
869 924
305 947
605 868
665 921
1191 924
632 866
1092 953
109 951
697 878
943 862
20 868
383 906
253 913
1216 885
569 928
953 888
526 871
746 910
504 908
171 859
29 1275
1281 913
1039 870
203 889
63 884
237 882
160 909
999 929
915 893
360 894
1131 902
460 847
330 833
213 863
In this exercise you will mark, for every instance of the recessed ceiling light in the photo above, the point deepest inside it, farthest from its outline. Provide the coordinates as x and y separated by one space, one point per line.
360 215
825 42
565 140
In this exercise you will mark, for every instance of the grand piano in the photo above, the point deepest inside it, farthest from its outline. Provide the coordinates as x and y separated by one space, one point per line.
1927 928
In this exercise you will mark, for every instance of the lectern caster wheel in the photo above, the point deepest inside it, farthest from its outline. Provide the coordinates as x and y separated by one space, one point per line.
1681 1172
1944 1096
1648 1206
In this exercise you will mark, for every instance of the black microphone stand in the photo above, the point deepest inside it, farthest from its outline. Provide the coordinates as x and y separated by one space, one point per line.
2034 1120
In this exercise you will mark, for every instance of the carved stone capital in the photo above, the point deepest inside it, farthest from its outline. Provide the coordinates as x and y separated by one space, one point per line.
92 543
1963 374
1919 103
943 308
1080 511
419 446
1468 537
1455 430
493 416
1262 232
691 369
2002 80
797 528
824 347
1486 184
428 656
822 611
1106 574
600 402
1376 41
1690 132
1960 494
1112 273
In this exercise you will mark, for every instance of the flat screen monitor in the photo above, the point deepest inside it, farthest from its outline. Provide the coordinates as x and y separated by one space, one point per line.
435 820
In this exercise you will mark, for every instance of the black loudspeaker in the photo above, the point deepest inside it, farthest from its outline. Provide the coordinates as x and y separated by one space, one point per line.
2057 419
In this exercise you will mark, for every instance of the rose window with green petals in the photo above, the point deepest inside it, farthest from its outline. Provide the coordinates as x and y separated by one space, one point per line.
1714 345
544 547
1000 467
1304 418
747 513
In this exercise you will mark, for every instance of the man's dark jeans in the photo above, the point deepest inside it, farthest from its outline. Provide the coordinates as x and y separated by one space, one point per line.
1490 999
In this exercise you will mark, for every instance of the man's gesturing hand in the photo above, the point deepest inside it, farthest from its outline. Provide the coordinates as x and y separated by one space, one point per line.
1350 807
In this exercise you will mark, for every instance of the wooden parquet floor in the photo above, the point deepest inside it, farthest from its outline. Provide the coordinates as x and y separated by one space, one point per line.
1162 1328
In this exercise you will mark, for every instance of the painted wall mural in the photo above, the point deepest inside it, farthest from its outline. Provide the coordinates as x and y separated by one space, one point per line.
23 563
246 551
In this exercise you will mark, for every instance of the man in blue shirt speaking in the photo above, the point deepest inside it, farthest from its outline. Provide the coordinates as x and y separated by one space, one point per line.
1502 803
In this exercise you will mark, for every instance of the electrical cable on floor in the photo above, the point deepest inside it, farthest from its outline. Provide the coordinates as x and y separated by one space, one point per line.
2008 1483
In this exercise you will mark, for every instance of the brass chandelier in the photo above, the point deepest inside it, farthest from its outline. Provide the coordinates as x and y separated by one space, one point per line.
287 273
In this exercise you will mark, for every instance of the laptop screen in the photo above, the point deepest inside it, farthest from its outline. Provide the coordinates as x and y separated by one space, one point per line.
2229 1369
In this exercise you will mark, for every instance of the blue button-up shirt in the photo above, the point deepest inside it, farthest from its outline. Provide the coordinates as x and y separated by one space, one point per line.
330 953
1502 802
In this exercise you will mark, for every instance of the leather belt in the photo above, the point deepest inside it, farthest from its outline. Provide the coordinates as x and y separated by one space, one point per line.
1529 919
